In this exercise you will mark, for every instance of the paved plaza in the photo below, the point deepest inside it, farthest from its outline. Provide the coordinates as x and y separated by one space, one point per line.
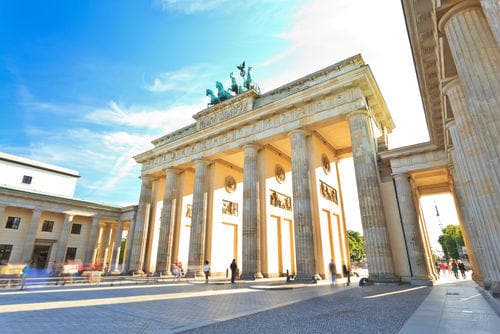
267 306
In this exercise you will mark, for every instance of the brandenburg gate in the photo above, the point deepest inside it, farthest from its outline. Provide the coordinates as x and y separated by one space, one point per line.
256 178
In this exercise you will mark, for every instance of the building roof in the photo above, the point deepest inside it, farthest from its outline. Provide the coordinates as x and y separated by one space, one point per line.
38 164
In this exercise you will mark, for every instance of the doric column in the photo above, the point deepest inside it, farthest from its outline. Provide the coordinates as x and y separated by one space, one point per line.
117 248
63 238
92 241
138 247
471 237
477 58
106 243
414 241
29 242
168 214
378 250
2 211
198 221
302 214
473 163
491 9
489 261
251 214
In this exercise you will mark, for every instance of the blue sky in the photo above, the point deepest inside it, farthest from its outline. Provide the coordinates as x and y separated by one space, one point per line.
88 84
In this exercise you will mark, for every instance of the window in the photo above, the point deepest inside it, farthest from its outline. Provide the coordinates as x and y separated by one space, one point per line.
70 254
76 228
13 222
48 226
27 179
5 253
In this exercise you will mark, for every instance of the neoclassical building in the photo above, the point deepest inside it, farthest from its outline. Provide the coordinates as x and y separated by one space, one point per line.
455 47
256 178
41 221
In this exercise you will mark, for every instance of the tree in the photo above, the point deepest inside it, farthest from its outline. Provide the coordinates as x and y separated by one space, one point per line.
451 241
356 245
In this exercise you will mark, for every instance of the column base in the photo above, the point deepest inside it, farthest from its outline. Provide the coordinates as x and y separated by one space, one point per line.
384 278
195 274
495 289
116 272
251 276
306 278
138 272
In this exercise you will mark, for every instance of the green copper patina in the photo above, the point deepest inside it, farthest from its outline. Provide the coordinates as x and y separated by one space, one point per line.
213 99
221 93
235 89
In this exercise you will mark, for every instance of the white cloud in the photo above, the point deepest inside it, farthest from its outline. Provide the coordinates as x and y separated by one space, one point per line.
145 117
324 32
188 78
190 6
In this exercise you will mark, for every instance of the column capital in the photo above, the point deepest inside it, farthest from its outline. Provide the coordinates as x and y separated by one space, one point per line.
68 216
362 111
449 84
447 14
251 145
201 160
300 130
450 124
172 170
400 175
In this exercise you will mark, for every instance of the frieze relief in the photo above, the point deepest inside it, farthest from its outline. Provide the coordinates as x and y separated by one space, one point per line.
328 192
229 208
350 97
280 200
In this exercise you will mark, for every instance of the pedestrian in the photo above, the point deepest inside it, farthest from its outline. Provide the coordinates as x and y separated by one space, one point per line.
449 268
442 266
206 270
24 274
333 270
234 268
347 273
454 268
461 267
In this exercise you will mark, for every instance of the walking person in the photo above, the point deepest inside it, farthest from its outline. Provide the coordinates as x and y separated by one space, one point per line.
333 270
24 274
461 267
234 269
454 268
206 270
347 273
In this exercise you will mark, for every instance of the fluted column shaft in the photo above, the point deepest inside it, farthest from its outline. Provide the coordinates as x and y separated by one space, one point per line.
491 9
138 248
198 220
302 214
473 164
117 247
92 242
471 237
29 242
477 58
106 243
377 247
414 241
63 238
489 261
168 214
251 214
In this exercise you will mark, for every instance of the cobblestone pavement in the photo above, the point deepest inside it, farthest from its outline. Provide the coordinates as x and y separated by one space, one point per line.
212 308
374 309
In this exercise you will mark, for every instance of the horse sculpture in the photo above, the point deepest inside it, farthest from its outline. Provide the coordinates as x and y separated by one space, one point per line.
234 85
213 99
248 84
221 93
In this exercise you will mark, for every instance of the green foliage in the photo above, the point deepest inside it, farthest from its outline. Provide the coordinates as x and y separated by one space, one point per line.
451 241
356 245
122 249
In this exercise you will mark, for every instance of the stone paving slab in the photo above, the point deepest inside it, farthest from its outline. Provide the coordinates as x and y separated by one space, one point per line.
456 307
